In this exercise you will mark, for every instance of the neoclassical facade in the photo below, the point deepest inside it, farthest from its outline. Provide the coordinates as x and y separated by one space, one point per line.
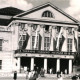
44 37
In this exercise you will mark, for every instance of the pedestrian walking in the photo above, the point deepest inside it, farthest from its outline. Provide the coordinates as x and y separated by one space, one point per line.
15 75
58 74
27 73
32 75
42 72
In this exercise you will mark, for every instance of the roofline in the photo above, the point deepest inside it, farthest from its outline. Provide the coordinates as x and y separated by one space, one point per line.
48 4
44 20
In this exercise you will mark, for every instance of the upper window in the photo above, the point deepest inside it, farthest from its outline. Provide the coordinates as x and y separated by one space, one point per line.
69 45
22 26
69 30
47 14
0 44
46 28
46 43
0 64
34 27
22 40
58 29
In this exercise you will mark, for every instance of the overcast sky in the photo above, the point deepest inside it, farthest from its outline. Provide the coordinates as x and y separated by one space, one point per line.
72 7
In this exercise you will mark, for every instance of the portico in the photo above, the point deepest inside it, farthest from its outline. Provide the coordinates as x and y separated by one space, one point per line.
56 62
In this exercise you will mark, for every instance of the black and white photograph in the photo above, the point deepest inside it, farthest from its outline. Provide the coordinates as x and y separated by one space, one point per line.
39 39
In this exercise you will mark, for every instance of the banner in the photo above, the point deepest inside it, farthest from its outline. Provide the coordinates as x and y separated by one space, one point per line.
35 42
59 36
75 41
61 43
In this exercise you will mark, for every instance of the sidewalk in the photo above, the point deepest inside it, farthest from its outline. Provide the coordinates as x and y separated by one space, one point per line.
22 76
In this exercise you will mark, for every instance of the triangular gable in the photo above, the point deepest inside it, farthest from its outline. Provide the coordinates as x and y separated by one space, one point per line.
58 13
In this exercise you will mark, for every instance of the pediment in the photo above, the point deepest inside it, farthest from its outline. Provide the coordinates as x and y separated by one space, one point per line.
58 14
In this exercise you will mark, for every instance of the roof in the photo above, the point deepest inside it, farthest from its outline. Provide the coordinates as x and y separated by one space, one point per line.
8 11
15 13
5 22
43 6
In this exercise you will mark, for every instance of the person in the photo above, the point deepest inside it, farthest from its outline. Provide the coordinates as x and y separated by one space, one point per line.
32 75
65 71
58 73
60 77
51 71
37 69
42 72
15 75
27 74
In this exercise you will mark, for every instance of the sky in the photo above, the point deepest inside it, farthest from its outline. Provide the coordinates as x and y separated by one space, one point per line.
72 7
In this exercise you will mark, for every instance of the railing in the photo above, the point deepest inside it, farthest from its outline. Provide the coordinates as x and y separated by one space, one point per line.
46 52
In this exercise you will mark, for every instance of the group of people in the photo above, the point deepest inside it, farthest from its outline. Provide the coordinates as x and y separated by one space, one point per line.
33 74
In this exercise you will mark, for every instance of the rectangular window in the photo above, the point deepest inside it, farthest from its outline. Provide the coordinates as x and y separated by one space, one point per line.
34 27
70 30
22 39
69 45
46 28
60 44
58 29
0 64
22 26
0 44
33 43
46 43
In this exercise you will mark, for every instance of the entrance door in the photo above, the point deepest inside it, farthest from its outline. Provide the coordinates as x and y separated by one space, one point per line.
38 62
64 65
25 62
51 65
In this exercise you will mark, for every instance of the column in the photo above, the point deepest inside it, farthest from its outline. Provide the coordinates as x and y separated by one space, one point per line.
70 66
18 64
45 65
32 63
58 65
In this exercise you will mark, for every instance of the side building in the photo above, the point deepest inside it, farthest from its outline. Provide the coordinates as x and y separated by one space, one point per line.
44 37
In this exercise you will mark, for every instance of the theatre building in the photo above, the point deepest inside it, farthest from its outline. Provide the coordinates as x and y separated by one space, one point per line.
44 37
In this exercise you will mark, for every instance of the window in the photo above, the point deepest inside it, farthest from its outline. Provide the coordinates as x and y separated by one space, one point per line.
22 40
46 43
69 30
47 28
60 44
58 29
34 27
0 44
22 26
0 64
69 45
33 42
47 14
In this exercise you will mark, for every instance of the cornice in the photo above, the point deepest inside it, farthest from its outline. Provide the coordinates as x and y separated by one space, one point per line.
44 20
